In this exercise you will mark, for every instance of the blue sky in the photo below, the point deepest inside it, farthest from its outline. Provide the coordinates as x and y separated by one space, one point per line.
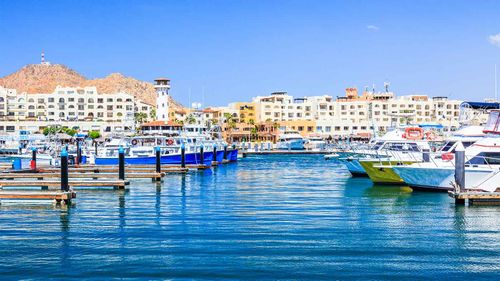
233 50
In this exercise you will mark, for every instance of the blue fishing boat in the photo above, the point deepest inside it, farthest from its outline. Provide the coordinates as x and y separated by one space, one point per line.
191 158
142 150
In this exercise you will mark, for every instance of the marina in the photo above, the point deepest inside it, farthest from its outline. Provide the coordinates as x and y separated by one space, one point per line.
249 140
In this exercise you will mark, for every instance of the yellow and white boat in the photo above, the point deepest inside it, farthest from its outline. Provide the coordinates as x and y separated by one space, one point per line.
380 171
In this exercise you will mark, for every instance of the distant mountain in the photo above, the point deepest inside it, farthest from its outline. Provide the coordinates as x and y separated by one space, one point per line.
39 78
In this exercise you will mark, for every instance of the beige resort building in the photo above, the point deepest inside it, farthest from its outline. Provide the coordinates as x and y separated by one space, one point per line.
67 106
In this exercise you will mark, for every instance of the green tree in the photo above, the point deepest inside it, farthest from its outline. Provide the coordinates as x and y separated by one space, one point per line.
254 133
140 117
52 130
152 113
69 131
94 134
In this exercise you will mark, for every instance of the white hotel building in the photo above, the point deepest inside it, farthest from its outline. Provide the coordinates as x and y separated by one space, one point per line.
355 114
72 107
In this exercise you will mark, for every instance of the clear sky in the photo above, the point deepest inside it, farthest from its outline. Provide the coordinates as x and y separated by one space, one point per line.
233 50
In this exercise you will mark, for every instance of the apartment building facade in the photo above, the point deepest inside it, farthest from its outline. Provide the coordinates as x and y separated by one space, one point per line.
356 114
81 107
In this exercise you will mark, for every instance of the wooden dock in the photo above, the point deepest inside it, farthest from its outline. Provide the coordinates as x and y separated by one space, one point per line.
41 176
59 197
475 197
120 184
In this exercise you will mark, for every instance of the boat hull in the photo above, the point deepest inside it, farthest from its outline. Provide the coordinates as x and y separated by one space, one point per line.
297 144
439 178
381 172
353 166
232 155
173 159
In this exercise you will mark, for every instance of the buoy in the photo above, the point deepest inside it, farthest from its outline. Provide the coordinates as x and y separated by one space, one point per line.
414 133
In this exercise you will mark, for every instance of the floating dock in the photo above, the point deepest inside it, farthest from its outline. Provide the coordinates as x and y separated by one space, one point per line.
41 176
120 184
59 197
475 197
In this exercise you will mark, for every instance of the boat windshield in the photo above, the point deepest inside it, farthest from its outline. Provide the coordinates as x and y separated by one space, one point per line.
486 158
401 146
447 146
493 126
451 145
377 145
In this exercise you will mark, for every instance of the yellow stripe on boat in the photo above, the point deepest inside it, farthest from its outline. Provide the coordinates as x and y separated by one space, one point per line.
382 172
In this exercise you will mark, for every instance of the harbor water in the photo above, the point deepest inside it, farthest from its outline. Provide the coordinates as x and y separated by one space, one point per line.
294 217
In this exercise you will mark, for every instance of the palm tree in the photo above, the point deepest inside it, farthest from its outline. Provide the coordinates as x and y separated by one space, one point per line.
230 123
254 133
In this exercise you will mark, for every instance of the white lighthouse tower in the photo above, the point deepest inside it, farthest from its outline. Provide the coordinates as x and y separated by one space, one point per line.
162 85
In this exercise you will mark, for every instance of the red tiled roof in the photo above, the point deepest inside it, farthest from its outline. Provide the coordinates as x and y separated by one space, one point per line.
161 123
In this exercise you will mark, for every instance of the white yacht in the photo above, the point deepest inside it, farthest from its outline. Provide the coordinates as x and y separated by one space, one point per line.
290 140
315 142
393 145
482 160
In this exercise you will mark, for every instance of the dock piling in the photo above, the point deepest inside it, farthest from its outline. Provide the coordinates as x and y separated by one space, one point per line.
214 158
64 170
460 171
121 163
225 152
78 153
183 156
202 156
95 147
33 158
158 163
158 159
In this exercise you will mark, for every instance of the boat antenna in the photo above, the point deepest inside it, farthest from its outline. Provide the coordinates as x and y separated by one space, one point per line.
496 84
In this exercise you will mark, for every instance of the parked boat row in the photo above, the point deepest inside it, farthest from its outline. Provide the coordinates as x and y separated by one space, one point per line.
412 157
198 147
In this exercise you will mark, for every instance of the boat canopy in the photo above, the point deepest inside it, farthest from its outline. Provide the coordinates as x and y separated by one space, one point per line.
431 126
480 105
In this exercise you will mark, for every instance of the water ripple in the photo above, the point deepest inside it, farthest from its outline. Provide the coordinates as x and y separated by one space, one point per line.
271 217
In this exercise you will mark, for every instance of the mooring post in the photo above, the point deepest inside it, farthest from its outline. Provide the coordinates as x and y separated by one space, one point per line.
64 170
95 148
183 156
426 155
78 153
158 159
225 152
214 158
33 158
121 163
459 172
202 155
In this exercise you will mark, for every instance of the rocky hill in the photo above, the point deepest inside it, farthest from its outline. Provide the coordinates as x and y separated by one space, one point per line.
38 78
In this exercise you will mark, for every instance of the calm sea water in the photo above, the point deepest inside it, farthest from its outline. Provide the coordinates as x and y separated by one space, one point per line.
272 217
